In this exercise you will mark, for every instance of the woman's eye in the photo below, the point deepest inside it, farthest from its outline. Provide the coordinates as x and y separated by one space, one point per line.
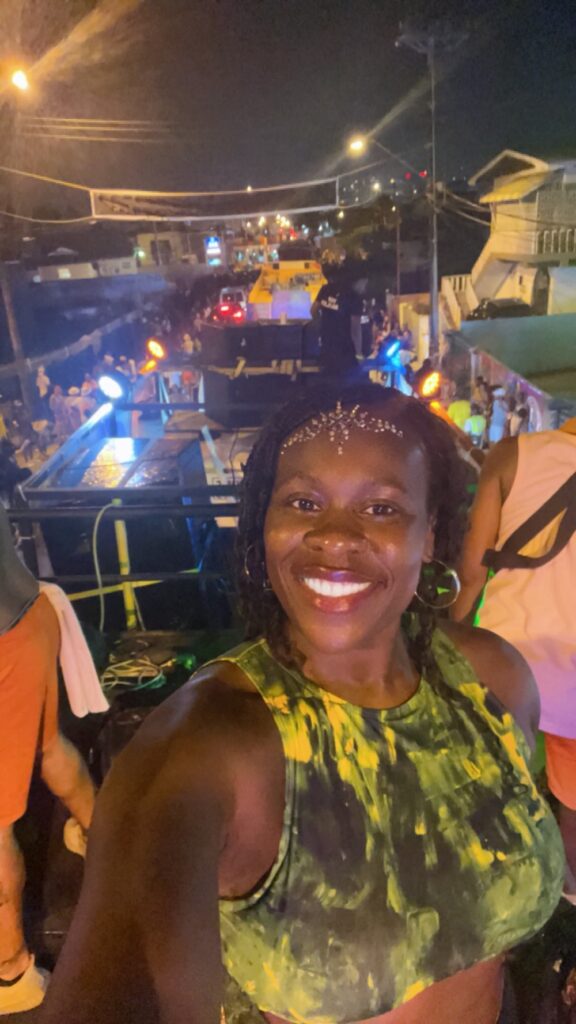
303 504
381 509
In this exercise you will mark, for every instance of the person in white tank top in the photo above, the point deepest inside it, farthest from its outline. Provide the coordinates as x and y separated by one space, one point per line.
532 608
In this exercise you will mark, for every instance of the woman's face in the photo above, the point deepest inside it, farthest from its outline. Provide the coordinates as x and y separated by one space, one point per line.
345 537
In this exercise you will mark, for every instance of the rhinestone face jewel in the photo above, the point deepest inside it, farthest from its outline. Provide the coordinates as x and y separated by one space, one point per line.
338 424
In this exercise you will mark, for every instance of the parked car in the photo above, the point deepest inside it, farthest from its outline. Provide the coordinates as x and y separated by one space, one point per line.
227 313
233 295
493 309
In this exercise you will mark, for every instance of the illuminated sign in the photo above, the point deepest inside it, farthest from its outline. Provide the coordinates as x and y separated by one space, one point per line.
212 246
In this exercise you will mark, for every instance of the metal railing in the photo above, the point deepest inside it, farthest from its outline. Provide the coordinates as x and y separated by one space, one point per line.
81 586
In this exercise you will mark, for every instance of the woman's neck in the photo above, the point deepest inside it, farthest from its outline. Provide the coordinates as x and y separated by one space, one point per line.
378 676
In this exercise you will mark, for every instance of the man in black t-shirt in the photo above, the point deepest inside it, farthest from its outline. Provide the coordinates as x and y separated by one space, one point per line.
339 308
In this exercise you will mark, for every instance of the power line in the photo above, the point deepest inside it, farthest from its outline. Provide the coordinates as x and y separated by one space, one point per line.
72 128
96 120
45 177
43 220
101 138
465 216
530 220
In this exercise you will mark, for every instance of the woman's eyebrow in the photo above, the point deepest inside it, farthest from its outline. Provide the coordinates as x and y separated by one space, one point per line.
301 477
391 482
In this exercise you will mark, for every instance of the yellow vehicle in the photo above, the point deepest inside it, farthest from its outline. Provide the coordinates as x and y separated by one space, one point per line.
286 289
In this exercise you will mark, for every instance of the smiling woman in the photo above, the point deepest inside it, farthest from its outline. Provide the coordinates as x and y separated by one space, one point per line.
406 454
339 812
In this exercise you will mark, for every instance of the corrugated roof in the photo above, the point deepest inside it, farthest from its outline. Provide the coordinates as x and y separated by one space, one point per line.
509 162
515 188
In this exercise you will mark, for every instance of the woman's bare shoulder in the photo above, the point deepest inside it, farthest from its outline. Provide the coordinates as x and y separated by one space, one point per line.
208 734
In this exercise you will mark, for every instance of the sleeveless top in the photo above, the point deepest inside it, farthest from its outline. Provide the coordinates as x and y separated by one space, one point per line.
414 845
534 608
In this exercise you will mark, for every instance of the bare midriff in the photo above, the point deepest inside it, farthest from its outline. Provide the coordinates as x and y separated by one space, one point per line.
473 996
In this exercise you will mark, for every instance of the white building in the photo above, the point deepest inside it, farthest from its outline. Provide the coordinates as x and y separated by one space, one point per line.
531 252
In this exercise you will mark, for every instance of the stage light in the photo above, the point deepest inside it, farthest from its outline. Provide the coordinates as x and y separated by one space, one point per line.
155 348
110 387
430 385
392 349
149 366
20 81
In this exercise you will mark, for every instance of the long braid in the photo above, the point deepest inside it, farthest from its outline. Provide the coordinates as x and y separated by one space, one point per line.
260 609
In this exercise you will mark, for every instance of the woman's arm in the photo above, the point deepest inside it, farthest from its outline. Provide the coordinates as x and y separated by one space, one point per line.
494 485
144 946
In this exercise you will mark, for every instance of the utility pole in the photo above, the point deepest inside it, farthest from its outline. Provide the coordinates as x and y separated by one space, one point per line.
398 276
430 42
26 387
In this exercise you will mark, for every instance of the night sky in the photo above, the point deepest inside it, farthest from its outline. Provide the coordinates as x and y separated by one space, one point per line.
265 91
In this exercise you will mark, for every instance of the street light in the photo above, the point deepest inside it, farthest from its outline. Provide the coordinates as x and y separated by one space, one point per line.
358 145
19 80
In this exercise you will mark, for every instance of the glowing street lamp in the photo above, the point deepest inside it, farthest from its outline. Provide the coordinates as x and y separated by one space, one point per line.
19 80
358 145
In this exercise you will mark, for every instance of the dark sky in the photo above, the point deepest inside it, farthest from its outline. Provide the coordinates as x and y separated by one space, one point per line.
265 91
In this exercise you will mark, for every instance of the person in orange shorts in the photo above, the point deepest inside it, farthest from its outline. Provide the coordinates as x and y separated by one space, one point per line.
29 647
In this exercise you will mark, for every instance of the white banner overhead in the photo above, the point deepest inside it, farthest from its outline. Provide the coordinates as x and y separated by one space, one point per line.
120 204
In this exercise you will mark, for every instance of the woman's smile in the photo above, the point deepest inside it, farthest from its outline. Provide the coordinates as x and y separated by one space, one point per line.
334 591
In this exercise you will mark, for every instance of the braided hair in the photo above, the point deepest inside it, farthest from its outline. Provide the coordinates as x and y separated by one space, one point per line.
259 606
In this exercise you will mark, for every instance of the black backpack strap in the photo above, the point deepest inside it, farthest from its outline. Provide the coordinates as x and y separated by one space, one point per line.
508 557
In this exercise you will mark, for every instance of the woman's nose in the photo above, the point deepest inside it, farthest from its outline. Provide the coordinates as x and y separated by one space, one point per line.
335 533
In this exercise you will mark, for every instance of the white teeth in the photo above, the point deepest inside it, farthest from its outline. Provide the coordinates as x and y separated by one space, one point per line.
328 588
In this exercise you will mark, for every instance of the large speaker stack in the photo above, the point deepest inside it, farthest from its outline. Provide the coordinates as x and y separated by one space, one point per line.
251 368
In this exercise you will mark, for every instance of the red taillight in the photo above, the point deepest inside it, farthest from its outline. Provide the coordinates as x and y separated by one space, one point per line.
224 307
238 315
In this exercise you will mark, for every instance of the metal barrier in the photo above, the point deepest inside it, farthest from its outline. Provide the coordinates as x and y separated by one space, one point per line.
125 581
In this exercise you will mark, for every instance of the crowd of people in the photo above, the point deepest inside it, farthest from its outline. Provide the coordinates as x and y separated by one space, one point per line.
357 331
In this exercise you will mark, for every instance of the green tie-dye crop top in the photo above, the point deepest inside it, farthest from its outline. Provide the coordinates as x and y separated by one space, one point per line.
414 844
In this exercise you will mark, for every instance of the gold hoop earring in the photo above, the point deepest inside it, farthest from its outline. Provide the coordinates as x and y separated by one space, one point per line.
259 577
439 585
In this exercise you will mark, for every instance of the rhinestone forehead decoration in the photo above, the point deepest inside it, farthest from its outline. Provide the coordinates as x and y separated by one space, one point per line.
338 424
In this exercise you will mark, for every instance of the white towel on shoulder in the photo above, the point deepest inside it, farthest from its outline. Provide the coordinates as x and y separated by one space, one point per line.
80 676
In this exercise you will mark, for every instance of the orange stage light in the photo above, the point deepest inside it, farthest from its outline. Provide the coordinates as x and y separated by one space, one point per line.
155 348
430 384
